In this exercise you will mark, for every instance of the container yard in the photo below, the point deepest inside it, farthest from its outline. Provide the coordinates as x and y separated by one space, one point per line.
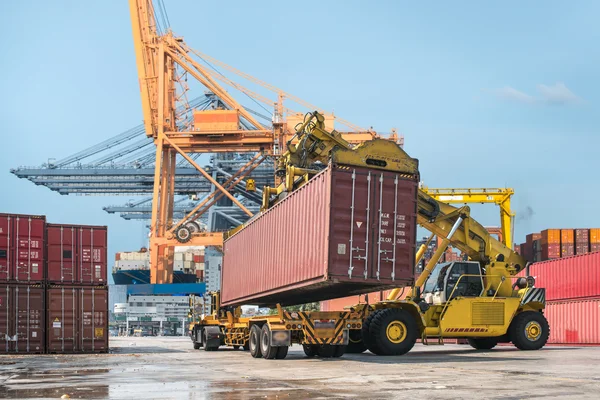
172 227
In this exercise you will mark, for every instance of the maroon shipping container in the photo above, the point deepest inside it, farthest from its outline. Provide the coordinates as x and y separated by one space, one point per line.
569 278
529 251
77 254
77 319
22 248
567 249
574 321
347 231
22 318
582 236
550 251
594 247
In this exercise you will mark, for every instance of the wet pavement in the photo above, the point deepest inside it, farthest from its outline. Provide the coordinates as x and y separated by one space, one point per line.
169 368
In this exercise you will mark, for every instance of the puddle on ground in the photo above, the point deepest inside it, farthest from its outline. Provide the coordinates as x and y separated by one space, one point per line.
56 392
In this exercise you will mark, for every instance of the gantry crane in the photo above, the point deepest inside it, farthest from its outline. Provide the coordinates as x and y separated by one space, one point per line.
164 63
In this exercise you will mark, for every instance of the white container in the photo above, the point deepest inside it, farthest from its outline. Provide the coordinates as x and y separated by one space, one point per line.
178 257
178 265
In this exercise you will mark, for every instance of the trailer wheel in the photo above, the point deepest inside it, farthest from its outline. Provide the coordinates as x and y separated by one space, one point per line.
268 351
487 343
367 338
282 352
197 345
355 342
339 350
394 332
326 351
529 330
206 347
254 342
310 350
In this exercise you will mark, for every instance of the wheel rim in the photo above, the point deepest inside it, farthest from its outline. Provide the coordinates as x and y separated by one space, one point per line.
396 332
265 341
533 331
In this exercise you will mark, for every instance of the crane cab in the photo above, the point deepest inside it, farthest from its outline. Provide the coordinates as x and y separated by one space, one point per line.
453 279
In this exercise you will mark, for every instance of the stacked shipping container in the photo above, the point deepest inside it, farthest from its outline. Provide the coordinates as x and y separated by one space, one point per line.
551 244
39 263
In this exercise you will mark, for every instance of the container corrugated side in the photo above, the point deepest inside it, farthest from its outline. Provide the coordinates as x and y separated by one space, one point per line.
22 318
77 319
569 278
22 248
77 254
574 321
314 245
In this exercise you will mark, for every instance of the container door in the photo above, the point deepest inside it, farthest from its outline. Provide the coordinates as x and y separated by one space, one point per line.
29 319
93 313
29 236
6 318
62 319
92 256
394 226
351 223
6 249
61 254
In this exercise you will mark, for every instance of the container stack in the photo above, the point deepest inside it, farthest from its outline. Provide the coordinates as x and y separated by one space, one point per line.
552 244
53 293
572 297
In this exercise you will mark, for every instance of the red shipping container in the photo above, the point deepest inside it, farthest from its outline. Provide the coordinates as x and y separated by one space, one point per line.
574 321
594 247
569 278
22 318
198 258
347 231
77 254
550 251
567 250
22 248
582 236
199 275
77 319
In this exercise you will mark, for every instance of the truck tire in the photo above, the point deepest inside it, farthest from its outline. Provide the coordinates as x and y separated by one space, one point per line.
339 351
205 341
394 332
282 352
310 350
246 346
355 342
254 342
367 339
529 330
269 352
326 351
487 343
197 345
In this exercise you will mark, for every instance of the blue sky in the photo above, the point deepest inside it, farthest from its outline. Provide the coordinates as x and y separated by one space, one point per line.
487 95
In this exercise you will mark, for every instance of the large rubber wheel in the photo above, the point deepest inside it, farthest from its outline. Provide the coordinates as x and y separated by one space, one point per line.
483 343
268 351
339 351
183 235
394 332
529 330
254 342
206 347
355 342
246 346
197 345
326 351
310 350
367 339
282 352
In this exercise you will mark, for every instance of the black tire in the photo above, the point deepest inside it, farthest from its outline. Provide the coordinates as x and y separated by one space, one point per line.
193 227
529 330
246 346
183 235
355 342
487 343
205 341
197 345
268 351
311 350
326 351
339 351
254 342
282 352
366 335
391 321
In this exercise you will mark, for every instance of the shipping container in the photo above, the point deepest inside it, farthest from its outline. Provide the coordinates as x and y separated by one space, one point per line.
550 251
529 252
216 120
346 231
22 239
595 235
569 278
567 249
574 321
22 318
77 319
77 254
582 235
567 236
594 247
550 236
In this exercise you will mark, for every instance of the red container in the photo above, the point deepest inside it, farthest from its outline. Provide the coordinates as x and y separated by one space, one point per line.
77 319
198 258
582 236
550 251
569 278
22 318
594 247
529 252
77 254
574 321
567 250
22 248
347 231
582 248
199 275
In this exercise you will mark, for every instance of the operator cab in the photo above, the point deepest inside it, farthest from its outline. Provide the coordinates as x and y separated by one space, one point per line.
445 282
